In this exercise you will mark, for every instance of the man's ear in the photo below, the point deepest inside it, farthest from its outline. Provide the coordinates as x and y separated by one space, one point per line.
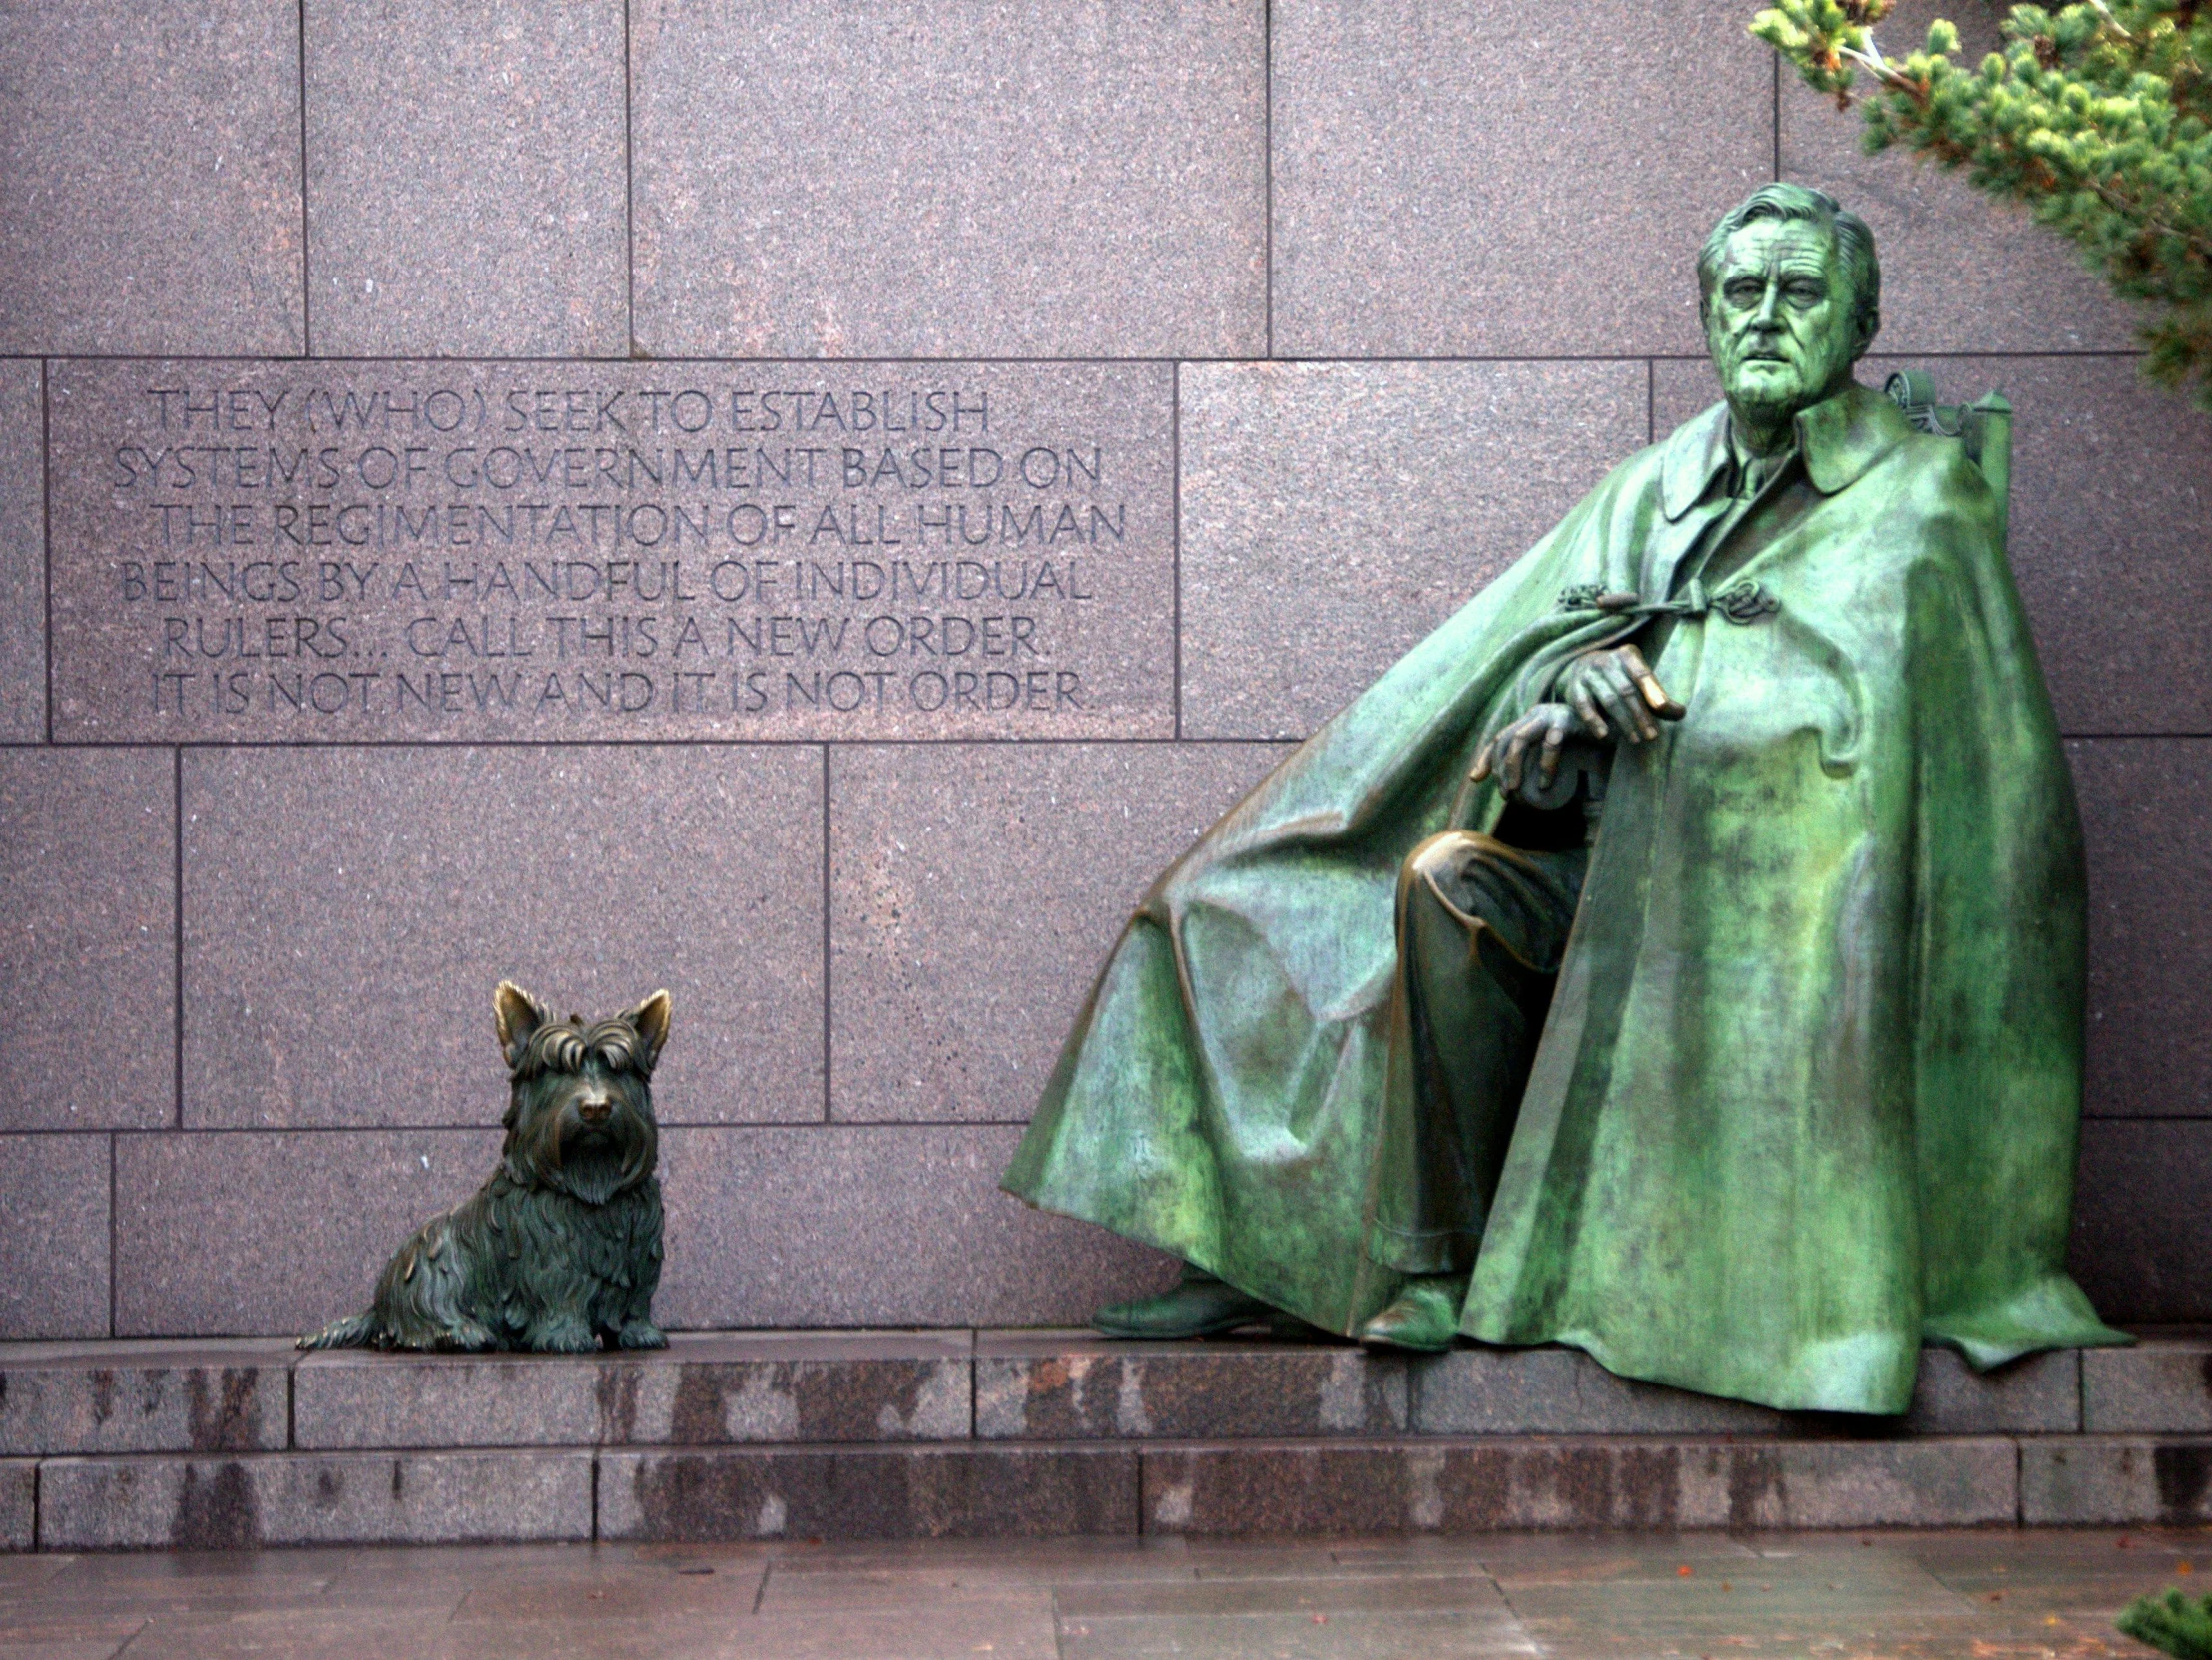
519 1014
650 1020
1868 330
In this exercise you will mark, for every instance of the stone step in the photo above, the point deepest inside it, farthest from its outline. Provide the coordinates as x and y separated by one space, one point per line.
918 1433
807 1387
1397 1484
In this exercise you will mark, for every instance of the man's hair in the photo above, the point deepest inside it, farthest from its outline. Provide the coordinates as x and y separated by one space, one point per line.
1854 244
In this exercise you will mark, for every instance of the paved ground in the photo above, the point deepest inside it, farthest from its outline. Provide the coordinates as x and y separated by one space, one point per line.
1990 1595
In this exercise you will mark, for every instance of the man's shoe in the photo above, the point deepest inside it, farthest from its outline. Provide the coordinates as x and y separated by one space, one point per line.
1425 1316
1199 1305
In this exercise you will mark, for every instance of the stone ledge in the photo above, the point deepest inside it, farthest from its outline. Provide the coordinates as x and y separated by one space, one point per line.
950 1387
2163 1385
1562 1392
704 1389
1076 1386
201 1396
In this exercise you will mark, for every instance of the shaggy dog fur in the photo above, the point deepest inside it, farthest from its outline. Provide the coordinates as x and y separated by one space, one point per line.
562 1245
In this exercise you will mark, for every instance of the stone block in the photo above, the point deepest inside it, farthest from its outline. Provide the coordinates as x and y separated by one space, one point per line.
2161 1387
2107 527
150 179
87 1031
1687 386
2143 809
514 1596
348 913
956 182
1350 508
1382 1487
490 221
941 1009
1704 1595
868 1494
1960 273
1946 1482
2108 530
1300 1582
22 553
2037 1395
1590 1482
1076 1386
1435 1610
1428 203
18 1504
1562 1392
54 1256
2140 1248
323 1498
274 1234
2115 1482
875 1224
206 1396
635 551
701 1391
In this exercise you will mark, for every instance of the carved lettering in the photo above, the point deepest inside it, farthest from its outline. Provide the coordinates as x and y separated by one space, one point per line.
431 551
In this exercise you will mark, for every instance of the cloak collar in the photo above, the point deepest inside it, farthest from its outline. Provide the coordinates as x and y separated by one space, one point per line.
1840 438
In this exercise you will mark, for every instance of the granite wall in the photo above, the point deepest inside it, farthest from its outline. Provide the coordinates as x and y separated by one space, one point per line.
458 466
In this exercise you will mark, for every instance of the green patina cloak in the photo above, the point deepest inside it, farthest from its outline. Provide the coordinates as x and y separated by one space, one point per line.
1809 1086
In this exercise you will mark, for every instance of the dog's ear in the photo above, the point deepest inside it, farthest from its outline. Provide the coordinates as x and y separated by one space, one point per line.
519 1014
650 1020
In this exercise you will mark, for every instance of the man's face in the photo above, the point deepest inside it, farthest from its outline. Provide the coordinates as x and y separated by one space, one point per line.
1778 322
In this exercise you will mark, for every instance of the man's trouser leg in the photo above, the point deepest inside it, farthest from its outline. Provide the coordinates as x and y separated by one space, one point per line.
1482 929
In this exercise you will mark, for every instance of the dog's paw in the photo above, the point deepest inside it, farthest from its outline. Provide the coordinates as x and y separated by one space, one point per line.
642 1334
566 1337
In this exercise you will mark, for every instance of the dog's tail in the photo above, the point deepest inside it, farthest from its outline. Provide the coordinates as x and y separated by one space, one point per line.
353 1331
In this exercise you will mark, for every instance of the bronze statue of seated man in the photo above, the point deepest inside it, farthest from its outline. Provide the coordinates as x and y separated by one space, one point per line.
1749 1068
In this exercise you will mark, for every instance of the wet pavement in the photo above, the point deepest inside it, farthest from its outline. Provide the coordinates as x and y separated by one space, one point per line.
1990 1595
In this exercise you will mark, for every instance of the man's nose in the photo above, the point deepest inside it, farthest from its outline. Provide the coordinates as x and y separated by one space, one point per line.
1768 304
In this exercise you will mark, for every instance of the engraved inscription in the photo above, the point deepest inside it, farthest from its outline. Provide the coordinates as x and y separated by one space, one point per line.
425 551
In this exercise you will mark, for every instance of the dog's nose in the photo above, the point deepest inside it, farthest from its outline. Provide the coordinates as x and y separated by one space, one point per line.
595 1111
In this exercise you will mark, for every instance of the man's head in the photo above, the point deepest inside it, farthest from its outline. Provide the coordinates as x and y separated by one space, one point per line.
1789 297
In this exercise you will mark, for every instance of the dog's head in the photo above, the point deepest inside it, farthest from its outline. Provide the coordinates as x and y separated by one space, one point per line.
581 1115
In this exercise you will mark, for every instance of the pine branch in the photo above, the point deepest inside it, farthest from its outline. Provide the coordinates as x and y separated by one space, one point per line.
2097 117
2172 1624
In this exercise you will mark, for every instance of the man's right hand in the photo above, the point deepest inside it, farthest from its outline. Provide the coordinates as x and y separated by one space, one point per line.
1536 737
1613 689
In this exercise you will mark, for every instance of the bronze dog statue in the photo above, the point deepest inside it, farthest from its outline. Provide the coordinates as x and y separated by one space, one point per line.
562 1245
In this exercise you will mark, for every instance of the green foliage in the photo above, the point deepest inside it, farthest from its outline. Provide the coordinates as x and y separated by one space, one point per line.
2099 117
2171 1623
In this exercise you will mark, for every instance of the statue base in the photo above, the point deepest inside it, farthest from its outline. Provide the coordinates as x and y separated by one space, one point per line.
233 1443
